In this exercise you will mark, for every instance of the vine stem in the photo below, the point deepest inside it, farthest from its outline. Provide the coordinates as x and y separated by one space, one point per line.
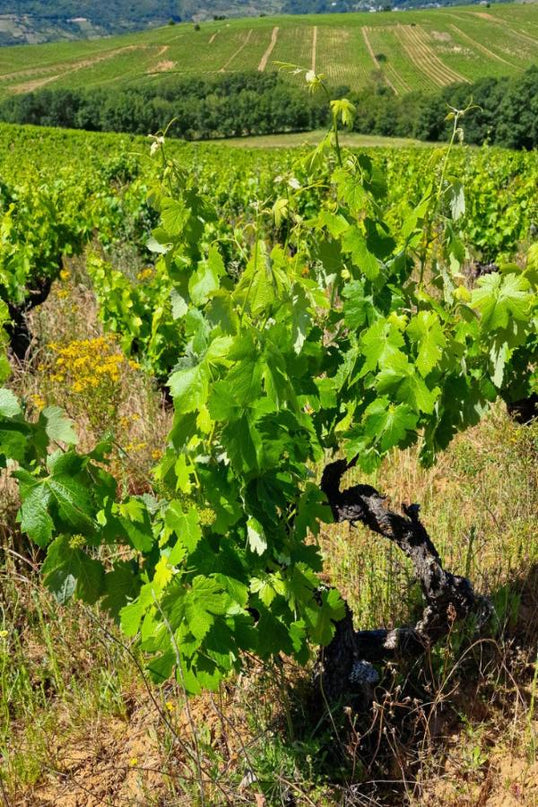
190 718
183 745
457 115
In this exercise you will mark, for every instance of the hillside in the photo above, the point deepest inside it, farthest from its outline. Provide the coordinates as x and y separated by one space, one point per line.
37 21
415 50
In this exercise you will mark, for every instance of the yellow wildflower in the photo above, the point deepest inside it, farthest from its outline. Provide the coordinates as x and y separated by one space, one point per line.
38 401
134 447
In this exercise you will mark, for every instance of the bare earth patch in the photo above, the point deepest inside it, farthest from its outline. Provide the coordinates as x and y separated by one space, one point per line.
263 61
314 47
113 761
29 86
163 67
484 15
507 779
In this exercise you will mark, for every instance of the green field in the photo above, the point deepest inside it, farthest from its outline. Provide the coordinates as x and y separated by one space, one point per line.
415 50
297 139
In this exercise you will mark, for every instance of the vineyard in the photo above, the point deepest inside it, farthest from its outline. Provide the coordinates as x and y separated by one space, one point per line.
408 51
268 449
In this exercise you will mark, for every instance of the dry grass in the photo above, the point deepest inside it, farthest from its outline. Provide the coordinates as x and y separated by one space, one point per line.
76 366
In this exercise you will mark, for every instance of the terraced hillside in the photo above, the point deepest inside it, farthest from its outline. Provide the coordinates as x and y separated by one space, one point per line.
415 50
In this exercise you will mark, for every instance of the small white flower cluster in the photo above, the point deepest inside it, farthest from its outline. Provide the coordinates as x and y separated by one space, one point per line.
158 143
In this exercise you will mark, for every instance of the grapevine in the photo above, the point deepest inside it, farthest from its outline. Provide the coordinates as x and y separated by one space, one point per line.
343 337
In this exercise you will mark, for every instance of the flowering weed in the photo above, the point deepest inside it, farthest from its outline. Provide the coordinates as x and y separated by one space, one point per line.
89 377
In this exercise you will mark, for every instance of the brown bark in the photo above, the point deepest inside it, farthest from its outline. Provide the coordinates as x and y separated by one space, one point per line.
17 329
346 663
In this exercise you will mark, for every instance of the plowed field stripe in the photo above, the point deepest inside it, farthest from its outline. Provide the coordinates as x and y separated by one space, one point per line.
314 47
419 37
505 27
423 57
71 66
376 61
397 77
237 52
416 58
479 46
265 58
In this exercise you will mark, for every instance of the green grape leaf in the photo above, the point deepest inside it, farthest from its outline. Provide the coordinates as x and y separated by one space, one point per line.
258 286
358 307
206 278
456 199
73 500
273 636
256 539
9 404
179 304
322 619
500 298
300 317
69 571
57 425
189 388
388 424
162 666
14 440
34 515
426 331
280 211
379 343
243 444
185 525
205 600
174 216
349 184
334 223
120 586
399 377
5 367
354 243
135 521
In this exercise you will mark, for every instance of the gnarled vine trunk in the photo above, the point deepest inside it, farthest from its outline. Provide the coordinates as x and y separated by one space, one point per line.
525 410
345 668
17 329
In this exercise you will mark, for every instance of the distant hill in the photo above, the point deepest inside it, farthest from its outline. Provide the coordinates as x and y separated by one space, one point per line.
400 51
36 21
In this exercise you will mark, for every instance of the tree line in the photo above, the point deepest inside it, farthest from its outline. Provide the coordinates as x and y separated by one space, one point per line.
231 105
505 111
